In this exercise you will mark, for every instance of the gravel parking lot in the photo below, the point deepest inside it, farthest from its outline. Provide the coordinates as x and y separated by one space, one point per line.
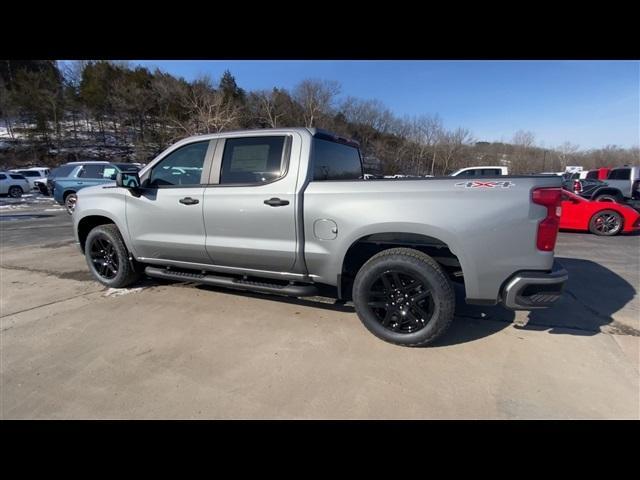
72 349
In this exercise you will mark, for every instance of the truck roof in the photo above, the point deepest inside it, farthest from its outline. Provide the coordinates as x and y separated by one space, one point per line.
315 132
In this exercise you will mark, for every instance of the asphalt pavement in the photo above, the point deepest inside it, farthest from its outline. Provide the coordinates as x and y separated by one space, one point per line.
71 348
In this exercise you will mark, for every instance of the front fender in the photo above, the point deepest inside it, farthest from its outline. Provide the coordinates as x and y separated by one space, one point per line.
103 202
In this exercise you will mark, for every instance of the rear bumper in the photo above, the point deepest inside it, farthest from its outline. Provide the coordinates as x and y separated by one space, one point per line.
529 290
42 187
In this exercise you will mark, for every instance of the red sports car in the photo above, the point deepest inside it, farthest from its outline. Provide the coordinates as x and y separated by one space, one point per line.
601 218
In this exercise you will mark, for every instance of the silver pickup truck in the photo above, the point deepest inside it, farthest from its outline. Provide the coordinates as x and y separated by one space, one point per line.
287 211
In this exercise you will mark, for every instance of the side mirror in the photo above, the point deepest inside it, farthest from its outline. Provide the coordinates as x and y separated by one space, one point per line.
129 180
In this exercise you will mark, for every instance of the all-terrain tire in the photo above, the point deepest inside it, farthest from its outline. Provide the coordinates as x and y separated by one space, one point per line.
424 269
126 272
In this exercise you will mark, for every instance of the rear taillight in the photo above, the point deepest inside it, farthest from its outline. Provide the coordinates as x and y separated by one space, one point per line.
548 227
577 186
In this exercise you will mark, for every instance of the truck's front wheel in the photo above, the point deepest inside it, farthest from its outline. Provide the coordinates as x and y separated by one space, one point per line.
402 296
108 258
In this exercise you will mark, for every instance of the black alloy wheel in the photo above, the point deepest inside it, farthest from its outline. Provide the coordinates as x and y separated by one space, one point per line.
104 258
400 301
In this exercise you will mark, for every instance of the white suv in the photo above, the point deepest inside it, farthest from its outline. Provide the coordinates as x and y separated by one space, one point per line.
13 184
33 174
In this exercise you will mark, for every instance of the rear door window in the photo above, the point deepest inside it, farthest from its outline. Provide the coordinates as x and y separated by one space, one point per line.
620 174
91 171
253 160
17 176
110 172
489 172
3 176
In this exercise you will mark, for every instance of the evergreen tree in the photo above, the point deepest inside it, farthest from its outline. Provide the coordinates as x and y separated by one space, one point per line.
230 89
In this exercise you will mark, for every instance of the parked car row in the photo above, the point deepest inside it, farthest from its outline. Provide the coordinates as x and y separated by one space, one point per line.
606 214
620 185
62 182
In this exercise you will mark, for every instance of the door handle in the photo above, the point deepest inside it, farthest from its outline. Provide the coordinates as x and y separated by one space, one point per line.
276 202
189 201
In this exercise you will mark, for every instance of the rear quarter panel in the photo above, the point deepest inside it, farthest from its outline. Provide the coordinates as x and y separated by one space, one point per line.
492 231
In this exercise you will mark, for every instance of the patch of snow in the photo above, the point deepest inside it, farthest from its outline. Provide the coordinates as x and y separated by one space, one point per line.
118 292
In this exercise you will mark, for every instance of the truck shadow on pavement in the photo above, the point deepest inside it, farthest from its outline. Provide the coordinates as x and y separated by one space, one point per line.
590 299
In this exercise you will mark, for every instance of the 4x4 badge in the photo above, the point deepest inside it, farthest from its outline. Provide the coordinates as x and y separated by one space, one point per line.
481 184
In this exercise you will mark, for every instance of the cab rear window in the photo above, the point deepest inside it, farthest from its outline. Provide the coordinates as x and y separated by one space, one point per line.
335 161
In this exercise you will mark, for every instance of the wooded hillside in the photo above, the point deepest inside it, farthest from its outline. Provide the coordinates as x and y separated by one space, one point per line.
116 111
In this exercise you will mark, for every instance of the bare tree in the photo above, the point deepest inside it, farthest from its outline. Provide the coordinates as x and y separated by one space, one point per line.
208 110
316 98
425 132
523 155
452 145
268 110
566 153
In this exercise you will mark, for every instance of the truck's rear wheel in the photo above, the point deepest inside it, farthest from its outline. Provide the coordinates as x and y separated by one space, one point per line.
108 258
402 296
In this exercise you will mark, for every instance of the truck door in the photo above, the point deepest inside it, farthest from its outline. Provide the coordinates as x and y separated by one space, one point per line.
250 203
165 219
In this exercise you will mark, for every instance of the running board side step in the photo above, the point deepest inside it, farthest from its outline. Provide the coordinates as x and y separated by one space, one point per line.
235 283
